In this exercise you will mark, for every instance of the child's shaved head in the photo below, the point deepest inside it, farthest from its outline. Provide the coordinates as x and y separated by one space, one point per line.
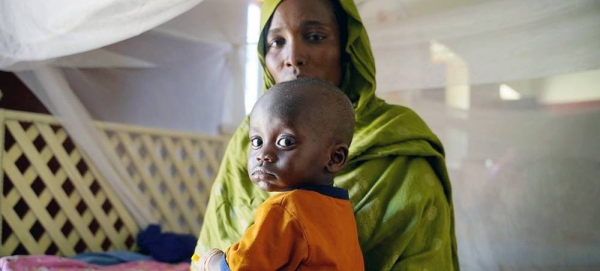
318 103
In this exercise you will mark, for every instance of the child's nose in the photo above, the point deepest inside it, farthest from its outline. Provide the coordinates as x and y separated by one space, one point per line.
265 157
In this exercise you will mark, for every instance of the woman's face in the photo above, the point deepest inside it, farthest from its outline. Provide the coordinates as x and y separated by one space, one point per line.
304 41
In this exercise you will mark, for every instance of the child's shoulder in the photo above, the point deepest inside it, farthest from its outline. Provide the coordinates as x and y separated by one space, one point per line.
291 197
281 198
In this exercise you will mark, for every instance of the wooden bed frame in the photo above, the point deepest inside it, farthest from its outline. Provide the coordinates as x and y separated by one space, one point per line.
53 200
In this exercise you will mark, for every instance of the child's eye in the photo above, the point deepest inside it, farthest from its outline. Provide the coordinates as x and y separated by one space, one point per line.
256 142
285 142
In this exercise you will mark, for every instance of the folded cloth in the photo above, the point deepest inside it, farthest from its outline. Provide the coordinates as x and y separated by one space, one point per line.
166 247
56 263
110 257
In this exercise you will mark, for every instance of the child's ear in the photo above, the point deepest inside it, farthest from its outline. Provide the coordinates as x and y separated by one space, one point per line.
338 157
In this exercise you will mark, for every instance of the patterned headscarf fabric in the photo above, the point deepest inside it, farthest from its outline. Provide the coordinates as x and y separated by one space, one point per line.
396 173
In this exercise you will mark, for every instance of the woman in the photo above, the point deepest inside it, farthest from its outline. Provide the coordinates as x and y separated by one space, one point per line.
396 173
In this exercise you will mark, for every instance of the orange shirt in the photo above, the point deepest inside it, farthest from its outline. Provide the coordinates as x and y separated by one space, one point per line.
311 228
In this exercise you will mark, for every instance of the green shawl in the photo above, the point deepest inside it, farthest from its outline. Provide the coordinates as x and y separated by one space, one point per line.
396 175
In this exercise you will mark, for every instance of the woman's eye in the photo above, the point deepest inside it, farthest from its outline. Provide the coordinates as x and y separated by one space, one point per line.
315 37
256 142
285 142
276 43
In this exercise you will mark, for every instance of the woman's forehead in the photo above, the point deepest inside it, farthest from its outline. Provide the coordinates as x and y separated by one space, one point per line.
303 13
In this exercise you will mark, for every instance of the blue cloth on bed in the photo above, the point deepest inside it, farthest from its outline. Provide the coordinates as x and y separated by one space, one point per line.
166 247
110 257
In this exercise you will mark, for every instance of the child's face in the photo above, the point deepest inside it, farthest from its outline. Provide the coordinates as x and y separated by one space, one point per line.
285 153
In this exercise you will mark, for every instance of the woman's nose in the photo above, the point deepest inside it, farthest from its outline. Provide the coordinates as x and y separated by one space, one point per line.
297 54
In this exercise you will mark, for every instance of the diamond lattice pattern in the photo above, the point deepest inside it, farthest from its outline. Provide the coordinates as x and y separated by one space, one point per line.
53 200
173 173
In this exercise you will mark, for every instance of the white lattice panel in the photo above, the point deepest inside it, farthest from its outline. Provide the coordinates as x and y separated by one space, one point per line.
173 171
53 200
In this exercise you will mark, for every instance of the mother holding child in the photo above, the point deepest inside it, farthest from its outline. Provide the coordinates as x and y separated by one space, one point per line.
393 173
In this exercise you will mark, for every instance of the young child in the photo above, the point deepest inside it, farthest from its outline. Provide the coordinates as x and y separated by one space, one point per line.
300 132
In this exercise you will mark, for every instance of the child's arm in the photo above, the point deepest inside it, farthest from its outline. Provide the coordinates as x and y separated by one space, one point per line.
210 261
275 240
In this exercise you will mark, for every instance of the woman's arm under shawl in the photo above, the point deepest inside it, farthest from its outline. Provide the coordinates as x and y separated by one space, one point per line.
403 216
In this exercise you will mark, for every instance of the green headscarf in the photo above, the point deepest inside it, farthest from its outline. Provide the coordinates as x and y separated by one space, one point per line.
396 174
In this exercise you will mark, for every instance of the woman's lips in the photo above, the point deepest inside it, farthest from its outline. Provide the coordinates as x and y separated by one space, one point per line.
296 76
